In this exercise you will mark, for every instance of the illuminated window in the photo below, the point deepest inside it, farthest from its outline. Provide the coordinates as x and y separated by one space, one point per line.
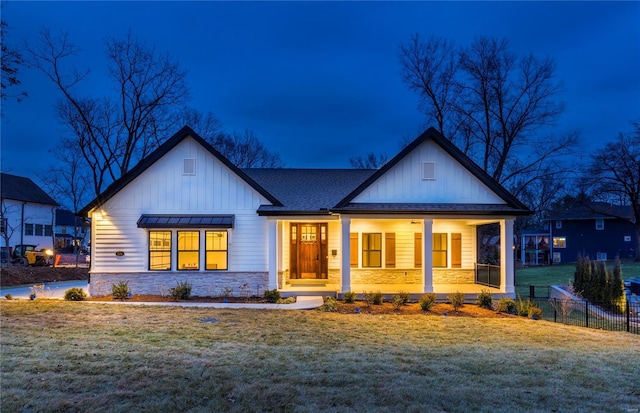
189 250
559 242
216 250
159 250
372 250
439 250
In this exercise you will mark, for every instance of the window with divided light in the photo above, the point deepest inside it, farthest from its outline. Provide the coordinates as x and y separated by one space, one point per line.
439 250
216 244
559 242
372 250
159 250
188 250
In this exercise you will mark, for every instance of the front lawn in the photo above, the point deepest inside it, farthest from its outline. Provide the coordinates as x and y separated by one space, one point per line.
75 356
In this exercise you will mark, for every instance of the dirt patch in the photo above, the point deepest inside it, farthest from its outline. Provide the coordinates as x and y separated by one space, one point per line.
11 276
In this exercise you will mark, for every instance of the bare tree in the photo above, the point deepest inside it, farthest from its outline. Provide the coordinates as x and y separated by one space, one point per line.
114 132
490 103
6 228
614 176
12 60
369 161
245 150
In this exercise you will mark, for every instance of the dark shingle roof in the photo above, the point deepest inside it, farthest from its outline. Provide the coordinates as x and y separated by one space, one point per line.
20 188
307 190
594 210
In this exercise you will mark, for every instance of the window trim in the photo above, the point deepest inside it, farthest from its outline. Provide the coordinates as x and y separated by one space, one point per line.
599 224
557 245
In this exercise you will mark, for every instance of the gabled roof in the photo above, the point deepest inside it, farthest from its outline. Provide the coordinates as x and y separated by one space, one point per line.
19 188
162 150
307 191
513 205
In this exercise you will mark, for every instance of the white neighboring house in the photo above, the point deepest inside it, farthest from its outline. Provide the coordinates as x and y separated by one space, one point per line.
27 213
186 213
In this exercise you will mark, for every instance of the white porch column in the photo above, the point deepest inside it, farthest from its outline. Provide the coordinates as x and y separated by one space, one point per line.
345 269
273 253
427 255
506 256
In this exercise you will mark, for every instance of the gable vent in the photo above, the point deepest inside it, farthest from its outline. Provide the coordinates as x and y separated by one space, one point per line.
189 166
428 170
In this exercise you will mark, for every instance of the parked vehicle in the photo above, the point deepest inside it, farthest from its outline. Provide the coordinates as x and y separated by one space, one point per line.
27 255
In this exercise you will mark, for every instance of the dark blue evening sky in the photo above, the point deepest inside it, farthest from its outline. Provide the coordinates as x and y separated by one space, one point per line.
319 82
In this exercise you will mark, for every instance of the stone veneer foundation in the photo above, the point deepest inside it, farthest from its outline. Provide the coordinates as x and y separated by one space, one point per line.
203 283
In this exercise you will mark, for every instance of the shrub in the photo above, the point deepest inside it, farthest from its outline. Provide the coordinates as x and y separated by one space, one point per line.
349 297
397 301
75 294
456 300
523 307
120 290
427 301
377 298
485 300
506 305
535 313
367 297
272 296
227 292
288 300
182 290
330 305
404 297
8 296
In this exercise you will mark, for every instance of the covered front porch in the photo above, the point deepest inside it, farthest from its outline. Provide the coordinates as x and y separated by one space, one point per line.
411 254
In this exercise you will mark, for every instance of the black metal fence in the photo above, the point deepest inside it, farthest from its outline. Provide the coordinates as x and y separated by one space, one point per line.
622 316
488 275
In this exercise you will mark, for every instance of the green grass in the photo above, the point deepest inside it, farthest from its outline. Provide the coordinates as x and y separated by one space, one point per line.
77 356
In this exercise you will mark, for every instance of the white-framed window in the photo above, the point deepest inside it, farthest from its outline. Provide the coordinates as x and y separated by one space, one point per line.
557 257
558 224
599 224
559 242
601 256
627 238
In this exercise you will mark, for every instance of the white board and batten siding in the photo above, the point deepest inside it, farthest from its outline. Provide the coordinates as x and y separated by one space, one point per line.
164 188
428 174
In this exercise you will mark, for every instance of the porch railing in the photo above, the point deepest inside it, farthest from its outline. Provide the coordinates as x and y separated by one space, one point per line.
487 274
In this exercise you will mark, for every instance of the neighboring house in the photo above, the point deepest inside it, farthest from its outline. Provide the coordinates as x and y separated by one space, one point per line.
70 230
187 213
28 213
599 235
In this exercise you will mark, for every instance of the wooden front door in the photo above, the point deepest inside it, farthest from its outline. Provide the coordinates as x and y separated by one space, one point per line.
308 250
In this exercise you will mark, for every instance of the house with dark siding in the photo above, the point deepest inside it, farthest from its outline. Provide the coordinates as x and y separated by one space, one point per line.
597 231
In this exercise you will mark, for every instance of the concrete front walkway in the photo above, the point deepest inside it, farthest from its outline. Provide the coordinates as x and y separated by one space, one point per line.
56 291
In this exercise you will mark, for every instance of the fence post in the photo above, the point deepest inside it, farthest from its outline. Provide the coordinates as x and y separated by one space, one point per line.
532 291
586 313
555 312
628 311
